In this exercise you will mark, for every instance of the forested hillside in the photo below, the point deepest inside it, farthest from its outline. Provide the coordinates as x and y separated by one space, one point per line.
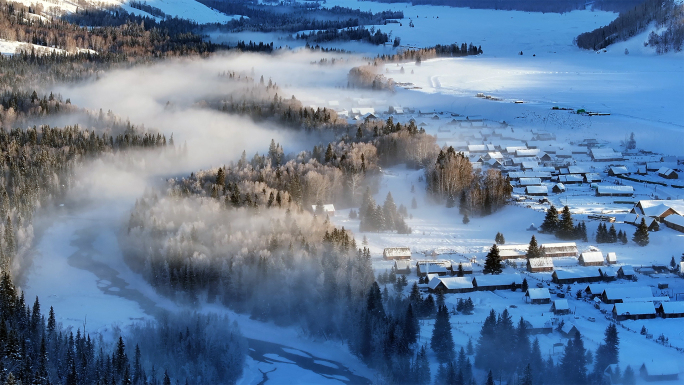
666 16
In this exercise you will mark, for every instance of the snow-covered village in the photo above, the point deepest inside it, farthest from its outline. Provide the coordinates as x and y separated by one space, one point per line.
428 192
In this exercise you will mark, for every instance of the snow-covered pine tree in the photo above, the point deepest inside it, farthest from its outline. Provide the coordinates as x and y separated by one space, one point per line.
550 224
640 236
492 263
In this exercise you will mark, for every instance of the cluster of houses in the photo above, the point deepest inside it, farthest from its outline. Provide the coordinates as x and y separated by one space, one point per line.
629 302
668 212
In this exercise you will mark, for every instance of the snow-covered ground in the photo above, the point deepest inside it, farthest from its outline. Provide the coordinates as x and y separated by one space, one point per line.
10 47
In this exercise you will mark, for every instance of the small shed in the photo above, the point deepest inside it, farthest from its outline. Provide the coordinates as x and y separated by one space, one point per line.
569 329
558 188
538 265
667 173
402 266
538 296
391 253
560 307
611 258
659 370
633 311
591 258
617 170
671 309
626 272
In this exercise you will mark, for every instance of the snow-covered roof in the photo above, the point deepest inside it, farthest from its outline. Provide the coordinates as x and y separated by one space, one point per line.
591 256
577 272
619 170
634 308
560 186
673 307
529 174
530 181
541 262
402 264
495 155
570 178
611 257
627 269
614 293
659 367
576 170
675 220
559 247
527 152
561 304
396 251
536 293
597 289
605 153
537 190
608 271
567 327
438 262
477 148
530 165
656 211
451 283
614 189
592 177
497 280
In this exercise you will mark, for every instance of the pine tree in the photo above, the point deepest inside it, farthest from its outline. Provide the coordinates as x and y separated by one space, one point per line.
550 224
566 228
490 378
673 264
527 376
607 352
468 306
442 342
533 250
466 220
450 202
469 347
492 263
612 235
499 239
641 234
410 326
628 376
525 285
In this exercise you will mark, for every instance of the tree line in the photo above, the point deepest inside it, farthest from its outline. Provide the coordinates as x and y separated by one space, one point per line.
360 33
202 349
